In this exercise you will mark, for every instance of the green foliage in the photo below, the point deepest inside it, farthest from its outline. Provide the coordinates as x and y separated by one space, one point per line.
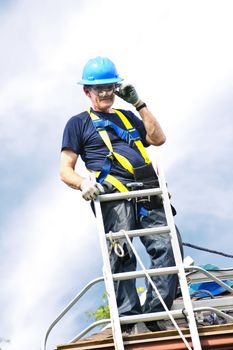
102 312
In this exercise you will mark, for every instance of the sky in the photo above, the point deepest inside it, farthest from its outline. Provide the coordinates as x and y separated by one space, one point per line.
179 56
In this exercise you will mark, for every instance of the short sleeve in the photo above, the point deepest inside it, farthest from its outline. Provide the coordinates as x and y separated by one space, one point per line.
71 136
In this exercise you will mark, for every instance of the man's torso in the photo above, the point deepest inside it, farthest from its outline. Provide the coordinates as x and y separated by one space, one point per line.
82 138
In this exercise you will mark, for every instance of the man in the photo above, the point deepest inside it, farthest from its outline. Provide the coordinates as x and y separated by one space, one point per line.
111 143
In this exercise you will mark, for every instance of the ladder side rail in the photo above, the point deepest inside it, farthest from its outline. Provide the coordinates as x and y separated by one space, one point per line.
68 307
179 262
115 321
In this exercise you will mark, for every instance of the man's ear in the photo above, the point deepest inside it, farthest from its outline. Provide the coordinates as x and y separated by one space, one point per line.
86 91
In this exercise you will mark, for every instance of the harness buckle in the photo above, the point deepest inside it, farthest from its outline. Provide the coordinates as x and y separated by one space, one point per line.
100 128
110 155
132 136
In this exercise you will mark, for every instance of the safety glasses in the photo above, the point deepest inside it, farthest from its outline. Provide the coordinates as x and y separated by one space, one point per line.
104 90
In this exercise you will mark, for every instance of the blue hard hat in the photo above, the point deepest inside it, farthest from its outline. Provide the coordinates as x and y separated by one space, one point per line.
100 70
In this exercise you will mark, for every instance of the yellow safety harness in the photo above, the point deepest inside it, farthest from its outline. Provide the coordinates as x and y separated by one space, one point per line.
129 134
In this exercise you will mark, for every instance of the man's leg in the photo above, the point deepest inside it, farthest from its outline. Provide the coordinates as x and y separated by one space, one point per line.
161 255
120 215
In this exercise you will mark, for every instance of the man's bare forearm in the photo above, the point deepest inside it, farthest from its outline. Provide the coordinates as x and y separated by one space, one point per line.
71 178
155 134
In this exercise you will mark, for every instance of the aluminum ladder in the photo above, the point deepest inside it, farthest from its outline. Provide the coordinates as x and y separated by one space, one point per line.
179 269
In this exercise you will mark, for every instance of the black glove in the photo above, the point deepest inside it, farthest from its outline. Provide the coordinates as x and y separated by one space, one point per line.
128 93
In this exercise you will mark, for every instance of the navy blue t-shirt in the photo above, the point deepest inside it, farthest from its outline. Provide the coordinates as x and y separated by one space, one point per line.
81 137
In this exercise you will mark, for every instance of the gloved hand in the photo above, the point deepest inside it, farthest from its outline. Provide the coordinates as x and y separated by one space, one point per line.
128 93
90 188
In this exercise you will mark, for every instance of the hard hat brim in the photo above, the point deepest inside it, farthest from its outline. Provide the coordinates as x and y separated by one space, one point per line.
100 81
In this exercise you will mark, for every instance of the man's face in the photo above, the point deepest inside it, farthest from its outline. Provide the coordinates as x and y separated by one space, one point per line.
102 96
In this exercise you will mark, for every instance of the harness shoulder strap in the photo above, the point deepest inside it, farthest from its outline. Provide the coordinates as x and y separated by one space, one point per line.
137 142
103 133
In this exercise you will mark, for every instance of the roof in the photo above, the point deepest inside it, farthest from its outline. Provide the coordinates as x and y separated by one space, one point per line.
212 337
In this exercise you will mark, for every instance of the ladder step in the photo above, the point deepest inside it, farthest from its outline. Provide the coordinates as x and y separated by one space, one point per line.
153 316
127 195
139 233
151 272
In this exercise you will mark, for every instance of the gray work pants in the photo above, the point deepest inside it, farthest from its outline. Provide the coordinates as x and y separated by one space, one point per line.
120 215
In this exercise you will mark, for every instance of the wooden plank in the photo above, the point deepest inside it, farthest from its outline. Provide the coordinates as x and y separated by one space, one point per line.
211 338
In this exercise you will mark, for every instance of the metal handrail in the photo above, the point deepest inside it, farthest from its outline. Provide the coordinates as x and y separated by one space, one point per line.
211 275
151 317
87 329
68 307
136 274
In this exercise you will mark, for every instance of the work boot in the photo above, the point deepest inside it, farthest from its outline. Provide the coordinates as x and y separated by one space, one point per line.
140 328
127 329
161 325
132 329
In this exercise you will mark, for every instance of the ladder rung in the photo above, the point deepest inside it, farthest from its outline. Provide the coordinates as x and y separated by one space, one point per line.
131 194
140 232
152 272
153 316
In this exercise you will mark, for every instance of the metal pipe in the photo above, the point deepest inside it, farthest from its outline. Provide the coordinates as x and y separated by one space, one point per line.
213 277
87 329
68 307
